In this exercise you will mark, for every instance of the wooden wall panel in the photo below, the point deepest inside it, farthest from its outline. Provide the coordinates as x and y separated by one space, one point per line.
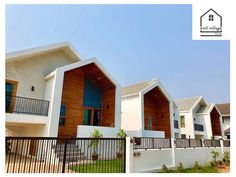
72 97
108 109
215 122
157 106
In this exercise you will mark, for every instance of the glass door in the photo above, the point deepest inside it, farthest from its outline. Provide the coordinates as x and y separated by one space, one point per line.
9 92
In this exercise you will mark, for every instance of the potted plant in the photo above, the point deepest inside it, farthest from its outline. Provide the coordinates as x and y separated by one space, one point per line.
95 142
121 134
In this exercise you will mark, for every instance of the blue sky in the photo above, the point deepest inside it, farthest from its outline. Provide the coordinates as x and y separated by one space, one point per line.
133 42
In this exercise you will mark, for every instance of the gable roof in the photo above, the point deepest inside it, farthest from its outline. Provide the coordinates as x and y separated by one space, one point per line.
136 88
224 108
204 109
66 47
186 104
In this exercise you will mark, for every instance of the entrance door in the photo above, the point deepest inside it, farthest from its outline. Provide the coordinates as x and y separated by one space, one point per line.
92 116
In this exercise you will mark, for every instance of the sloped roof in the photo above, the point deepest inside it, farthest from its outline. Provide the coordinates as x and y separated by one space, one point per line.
204 108
227 131
136 88
224 108
66 47
186 104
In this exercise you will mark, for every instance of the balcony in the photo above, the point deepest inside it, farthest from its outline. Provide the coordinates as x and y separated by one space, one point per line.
23 105
198 127
176 124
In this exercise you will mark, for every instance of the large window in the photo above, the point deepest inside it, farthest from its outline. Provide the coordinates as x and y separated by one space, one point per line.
62 119
182 121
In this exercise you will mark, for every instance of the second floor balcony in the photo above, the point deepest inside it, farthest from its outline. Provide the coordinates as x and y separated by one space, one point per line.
198 127
24 105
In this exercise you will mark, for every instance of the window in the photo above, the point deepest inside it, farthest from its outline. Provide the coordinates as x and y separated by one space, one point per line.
149 123
183 136
92 116
182 121
211 17
62 119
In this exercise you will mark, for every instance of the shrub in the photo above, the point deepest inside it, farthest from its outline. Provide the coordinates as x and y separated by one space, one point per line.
196 165
212 164
226 157
215 155
164 169
180 167
220 162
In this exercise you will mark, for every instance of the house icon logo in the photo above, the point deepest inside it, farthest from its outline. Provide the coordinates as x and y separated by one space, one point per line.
211 24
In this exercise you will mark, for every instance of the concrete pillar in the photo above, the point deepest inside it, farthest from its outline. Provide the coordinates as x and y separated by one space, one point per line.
173 147
129 155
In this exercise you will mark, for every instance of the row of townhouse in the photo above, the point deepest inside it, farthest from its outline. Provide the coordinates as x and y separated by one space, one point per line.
51 92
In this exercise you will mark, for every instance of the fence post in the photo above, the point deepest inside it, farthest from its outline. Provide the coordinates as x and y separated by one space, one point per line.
173 150
222 146
129 155
64 158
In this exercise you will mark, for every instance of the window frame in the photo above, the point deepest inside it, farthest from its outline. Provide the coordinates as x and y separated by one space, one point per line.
182 121
64 116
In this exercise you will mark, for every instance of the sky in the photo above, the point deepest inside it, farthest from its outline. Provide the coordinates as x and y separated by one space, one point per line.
133 42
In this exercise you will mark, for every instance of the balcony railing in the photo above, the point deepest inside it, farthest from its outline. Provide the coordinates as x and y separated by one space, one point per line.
23 105
176 124
198 127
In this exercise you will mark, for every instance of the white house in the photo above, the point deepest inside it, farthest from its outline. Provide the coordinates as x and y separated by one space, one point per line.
51 92
198 119
149 111
225 112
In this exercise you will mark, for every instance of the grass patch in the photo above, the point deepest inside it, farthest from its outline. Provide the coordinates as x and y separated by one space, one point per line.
101 166
206 169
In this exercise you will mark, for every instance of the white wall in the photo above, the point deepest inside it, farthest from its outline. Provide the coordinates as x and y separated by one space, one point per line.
85 131
205 120
25 119
131 115
226 123
190 155
151 160
188 129
31 72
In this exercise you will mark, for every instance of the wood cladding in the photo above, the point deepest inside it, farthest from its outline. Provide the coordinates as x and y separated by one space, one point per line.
108 108
156 106
215 122
72 97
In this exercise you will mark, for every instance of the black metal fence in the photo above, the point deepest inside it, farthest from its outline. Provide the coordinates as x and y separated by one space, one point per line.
188 143
226 143
58 155
211 143
151 143
198 127
23 105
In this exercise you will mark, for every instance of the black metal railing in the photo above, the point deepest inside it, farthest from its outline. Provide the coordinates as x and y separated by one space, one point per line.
176 124
151 143
60 155
188 143
23 105
198 127
226 143
211 143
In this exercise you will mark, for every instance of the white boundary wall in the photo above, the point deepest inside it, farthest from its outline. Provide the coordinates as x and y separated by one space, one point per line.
151 160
